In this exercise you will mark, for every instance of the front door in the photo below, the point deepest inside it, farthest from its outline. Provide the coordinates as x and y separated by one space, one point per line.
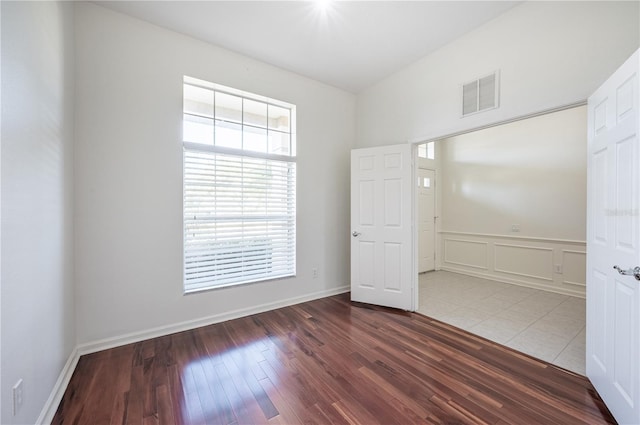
613 240
382 248
426 220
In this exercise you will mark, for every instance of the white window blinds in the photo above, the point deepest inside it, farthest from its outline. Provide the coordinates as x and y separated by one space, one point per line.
239 203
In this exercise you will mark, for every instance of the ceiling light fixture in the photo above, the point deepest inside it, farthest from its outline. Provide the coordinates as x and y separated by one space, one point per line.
323 5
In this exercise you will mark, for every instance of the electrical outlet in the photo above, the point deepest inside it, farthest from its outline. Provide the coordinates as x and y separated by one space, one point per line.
314 273
18 396
515 227
558 268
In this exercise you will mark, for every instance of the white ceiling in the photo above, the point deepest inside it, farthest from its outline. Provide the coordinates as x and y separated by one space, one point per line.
350 45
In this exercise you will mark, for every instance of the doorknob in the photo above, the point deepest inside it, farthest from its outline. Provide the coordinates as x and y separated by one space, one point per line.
355 234
635 272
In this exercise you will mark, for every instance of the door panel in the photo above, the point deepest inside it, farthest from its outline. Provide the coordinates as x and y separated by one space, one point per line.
367 202
366 263
622 361
426 220
382 264
392 266
392 202
626 161
613 235
599 192
598 330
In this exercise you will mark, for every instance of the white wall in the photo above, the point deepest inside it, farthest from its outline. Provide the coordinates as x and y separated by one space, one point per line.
529 173
38 323
549 54
129 176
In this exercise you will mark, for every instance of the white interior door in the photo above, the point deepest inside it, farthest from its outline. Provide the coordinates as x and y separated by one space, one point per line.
613 239
382 240
426 220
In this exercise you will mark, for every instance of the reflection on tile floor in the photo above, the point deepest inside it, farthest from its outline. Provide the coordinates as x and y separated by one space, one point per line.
545 325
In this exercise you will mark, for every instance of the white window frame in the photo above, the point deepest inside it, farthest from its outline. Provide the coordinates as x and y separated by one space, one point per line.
427 150
276 258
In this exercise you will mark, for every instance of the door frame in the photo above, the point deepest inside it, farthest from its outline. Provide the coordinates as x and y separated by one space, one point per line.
434 138
420 140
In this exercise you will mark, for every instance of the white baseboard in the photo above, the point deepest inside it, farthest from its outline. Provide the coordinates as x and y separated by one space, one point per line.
488 276
51 405
104 344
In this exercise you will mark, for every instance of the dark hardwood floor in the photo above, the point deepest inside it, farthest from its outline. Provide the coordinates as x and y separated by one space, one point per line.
325 362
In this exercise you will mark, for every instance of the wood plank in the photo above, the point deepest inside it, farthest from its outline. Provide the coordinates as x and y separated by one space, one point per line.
323 362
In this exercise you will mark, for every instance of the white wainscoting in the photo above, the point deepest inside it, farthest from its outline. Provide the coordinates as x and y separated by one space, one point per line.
554 265
466 253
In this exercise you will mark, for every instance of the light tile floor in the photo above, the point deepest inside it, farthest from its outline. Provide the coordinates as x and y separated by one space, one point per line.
542 324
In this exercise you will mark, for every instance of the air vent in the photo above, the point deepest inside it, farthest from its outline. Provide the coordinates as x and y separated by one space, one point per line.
480 95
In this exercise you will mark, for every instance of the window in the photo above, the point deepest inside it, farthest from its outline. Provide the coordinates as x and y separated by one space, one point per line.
239 187
427 150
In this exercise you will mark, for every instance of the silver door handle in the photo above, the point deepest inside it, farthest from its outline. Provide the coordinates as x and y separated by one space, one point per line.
355 234
635 272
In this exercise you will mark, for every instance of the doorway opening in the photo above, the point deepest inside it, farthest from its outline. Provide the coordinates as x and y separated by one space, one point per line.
509 245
